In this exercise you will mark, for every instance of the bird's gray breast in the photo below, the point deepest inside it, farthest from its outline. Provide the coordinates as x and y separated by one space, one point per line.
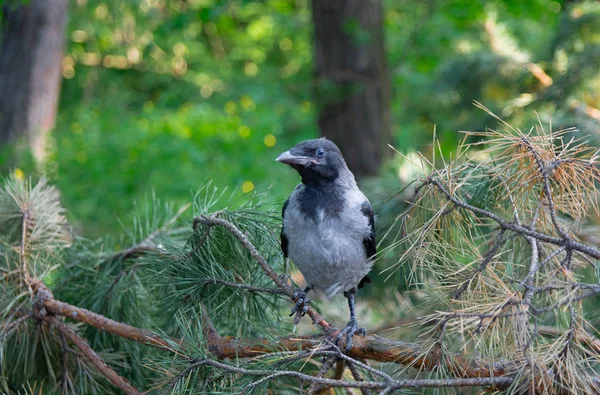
326 243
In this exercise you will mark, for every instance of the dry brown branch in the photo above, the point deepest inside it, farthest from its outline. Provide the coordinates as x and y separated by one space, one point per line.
91 355
56 307
370 347
520 229
116 328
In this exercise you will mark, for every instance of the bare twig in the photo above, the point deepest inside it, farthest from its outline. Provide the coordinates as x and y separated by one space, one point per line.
498 382
325 367
484 262
358 377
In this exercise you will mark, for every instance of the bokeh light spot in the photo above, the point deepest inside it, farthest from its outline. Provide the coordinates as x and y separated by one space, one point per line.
68 72
79 36
285 44
230 107
247 103
179 49
76 128
270 140
250 69
244 131
206 91
101 11
19 175
247 186
81 157
133 55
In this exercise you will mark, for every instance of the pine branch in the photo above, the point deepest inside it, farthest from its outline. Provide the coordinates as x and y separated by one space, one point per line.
147 246
568 242
243 239
267 375
91 355
56 307
370 347
325 367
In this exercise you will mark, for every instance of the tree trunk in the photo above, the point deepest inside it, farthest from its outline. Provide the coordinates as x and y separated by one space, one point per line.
31 50
352 80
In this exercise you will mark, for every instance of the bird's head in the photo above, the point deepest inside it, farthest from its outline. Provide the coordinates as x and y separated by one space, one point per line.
316 160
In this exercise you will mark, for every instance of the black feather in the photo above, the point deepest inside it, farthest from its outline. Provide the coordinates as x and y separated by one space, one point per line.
365 280
369 241
284 239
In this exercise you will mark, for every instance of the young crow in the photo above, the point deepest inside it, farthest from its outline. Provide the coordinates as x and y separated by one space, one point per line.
328 227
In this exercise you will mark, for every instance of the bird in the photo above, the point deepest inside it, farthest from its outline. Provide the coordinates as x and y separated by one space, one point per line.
328 228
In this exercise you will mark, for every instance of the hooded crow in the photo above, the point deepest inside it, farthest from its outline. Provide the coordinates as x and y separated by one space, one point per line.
328 227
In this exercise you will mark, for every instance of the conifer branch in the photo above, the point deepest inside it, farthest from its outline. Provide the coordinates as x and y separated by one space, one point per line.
91 355
56 307
243 239
267 375
116 328
569 242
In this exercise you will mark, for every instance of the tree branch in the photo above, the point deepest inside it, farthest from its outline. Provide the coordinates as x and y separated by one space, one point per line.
56 307
116 328
91 355
498 382
243 239
559 241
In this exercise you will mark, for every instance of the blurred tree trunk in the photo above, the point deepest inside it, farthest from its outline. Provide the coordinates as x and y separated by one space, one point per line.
31 50
352 80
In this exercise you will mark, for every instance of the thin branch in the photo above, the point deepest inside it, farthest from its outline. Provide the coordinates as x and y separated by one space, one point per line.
56 307
116 328
91 355
10 324
498 382
482 266
243 239
23 249
325 367
547 190
357 377
525 231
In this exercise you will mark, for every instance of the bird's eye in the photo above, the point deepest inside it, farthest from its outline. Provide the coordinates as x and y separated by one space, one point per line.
320 152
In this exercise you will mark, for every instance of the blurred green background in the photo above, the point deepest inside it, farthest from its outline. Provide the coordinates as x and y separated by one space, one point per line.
159 96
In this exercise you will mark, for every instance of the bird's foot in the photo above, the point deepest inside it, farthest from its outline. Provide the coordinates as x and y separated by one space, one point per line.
349 331
301 306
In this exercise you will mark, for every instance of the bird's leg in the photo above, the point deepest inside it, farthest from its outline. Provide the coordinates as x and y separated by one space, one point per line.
302 303
352 326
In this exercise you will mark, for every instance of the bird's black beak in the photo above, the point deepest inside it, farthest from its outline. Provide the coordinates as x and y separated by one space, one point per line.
294 160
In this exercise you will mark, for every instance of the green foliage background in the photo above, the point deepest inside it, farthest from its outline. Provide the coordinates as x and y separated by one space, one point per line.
160 95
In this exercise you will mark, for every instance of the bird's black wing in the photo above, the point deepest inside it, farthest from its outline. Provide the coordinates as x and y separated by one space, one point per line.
284 240
369 240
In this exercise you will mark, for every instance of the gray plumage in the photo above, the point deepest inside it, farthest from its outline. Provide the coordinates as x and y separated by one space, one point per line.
328 226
